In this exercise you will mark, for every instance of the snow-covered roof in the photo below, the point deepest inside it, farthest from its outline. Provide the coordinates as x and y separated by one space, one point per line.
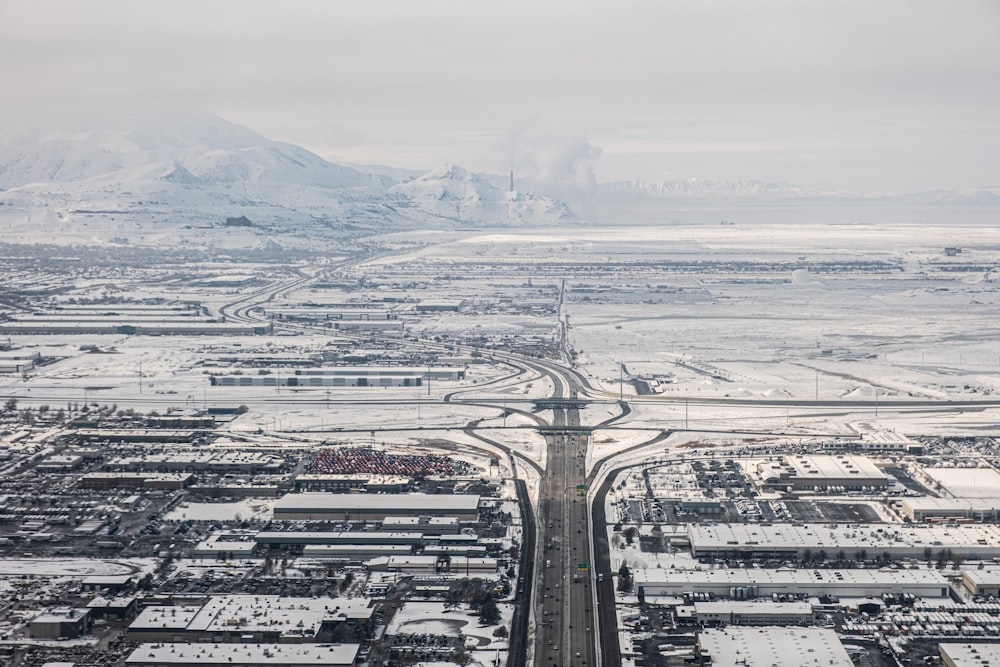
774 647
209 655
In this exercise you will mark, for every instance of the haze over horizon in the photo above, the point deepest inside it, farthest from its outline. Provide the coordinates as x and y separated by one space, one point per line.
893 97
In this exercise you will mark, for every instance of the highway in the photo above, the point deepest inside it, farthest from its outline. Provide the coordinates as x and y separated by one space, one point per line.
564 612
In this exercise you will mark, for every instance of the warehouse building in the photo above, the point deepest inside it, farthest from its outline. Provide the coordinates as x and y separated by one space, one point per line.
966 654
773 647
60 624
843 472
750 583
244 655
277 538
798 541
357 380
926 508
249 618
135 480
428 525
200 461
736 612
369 483
368 507
982 582
18 362
354 552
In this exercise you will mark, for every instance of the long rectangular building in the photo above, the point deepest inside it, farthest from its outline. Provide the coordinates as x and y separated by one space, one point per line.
773 647
238 618
374 507
244 655
855 541
922 509
748 583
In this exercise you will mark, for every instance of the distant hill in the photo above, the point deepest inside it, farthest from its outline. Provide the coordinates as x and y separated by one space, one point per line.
153 171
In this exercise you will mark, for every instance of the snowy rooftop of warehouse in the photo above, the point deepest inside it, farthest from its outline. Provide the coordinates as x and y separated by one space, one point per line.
967 654
362 501
842 536
966 482
299 617
812 466
752 607
790 577
250 654
774 647
957 504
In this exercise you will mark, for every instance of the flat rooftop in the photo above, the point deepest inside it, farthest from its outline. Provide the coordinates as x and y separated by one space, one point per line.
966 482
979 654
927 504
774 647
791 577
747 608
299 502
211 655
835 537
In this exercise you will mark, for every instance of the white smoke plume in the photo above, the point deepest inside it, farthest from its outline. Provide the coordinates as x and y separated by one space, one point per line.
556 163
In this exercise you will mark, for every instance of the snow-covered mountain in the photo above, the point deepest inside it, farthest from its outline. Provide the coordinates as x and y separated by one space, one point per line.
132 176
189 149
454 193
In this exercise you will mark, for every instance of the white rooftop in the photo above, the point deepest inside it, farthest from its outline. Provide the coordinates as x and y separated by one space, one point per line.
208 655
971 655
790 577
847 537
966 482
774 647
371 501
747 608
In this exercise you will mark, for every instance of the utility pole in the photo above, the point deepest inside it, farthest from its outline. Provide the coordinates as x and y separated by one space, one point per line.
140 376
817 385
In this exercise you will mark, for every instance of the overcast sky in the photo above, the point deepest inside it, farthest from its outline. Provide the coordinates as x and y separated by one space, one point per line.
891 95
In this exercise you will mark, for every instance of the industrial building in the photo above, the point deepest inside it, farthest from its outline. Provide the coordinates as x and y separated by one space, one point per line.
303 538
254 618
369 507
369 483
773 647
18 362
354 552
428 525
131 327
462 565
982 582
394 380
736 612
799 541
244 655
927 508
134 480
967 654
227 546
846 472
200 461
749 583
60 624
